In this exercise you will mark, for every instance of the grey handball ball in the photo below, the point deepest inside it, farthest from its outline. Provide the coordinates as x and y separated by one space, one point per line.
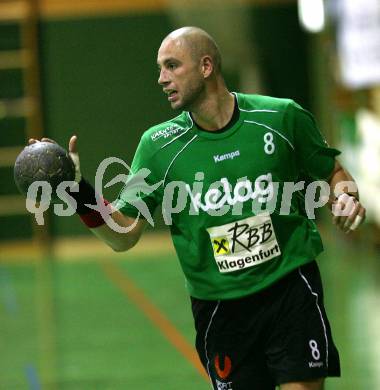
43 161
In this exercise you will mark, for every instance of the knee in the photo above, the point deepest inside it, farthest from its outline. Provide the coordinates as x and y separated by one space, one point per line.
316 384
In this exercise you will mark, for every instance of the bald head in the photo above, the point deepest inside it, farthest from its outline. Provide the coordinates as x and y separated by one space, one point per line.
199 43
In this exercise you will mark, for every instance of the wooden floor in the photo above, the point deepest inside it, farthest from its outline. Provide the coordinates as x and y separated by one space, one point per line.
77 249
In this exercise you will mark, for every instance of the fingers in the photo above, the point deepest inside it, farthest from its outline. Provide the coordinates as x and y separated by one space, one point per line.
33 140
348 213
48 140
73 144
75 157
351 217
344 208
358 220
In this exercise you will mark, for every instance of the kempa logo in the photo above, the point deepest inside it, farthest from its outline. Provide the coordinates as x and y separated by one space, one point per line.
167 132
315 364
227 156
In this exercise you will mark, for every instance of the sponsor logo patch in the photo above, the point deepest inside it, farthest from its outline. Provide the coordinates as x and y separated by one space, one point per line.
244 244
315 364
226 156
227 366
244 190
167 132
220 246
223 385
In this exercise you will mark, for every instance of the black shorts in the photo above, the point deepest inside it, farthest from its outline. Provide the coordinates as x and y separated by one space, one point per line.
276 336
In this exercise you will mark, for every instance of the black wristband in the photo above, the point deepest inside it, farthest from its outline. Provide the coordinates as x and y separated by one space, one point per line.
85 195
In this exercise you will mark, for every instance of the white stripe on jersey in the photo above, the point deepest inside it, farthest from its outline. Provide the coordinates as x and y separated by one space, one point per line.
270 128
171 162
180 135
205 342
242 109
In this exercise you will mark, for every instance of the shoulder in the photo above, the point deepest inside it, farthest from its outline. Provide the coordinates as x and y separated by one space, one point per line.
154 139
158 135
252 102
284 113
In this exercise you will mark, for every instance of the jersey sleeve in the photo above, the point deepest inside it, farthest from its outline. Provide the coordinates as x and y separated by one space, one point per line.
315 159
140 195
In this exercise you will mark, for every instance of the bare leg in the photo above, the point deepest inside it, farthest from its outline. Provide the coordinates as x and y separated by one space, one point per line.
312 385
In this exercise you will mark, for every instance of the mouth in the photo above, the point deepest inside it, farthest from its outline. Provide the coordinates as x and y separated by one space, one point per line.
172 95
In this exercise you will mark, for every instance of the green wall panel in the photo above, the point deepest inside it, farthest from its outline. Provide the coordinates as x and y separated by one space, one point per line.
281 52
12 130
11 83
100 82
8 186
16 227
10 36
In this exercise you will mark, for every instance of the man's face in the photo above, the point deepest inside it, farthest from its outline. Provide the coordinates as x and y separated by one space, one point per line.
180 76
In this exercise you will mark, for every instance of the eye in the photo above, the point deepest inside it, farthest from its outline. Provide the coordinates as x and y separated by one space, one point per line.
172 66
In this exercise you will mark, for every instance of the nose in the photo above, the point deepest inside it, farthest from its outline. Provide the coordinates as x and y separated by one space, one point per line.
162 78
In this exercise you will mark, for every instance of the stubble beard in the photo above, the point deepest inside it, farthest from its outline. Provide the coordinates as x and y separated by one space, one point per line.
191 97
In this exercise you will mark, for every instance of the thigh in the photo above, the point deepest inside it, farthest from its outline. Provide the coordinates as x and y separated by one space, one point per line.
230 344
278 336
233 365
301 348
317 384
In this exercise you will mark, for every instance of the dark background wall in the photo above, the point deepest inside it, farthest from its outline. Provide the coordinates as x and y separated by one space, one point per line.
282 52
100 82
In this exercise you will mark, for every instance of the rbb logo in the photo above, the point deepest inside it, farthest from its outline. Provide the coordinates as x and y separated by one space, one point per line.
247 236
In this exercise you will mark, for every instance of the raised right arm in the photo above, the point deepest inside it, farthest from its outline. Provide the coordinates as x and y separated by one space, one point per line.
120 242
116 239
128 230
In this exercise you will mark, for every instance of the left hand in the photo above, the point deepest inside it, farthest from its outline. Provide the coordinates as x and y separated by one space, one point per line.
348 213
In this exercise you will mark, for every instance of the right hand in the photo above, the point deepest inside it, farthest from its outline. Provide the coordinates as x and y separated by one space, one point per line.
72 152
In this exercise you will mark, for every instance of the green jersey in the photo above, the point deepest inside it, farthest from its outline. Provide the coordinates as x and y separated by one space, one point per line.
226 197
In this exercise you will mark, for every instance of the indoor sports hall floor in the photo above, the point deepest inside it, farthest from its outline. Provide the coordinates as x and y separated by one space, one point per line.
110 322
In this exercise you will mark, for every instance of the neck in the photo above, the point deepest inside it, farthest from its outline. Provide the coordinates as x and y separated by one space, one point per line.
215 110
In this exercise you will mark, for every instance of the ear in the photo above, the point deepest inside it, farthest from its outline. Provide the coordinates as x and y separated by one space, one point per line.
207 66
